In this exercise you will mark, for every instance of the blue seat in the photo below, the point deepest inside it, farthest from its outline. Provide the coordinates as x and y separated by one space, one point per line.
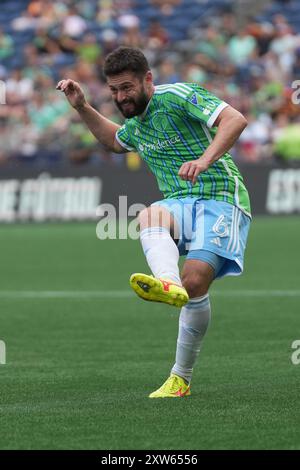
64 60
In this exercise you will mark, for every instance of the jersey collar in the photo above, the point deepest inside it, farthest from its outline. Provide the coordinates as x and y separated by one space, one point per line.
142 116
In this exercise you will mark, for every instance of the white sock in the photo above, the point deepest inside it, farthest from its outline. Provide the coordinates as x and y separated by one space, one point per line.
161 253
193 323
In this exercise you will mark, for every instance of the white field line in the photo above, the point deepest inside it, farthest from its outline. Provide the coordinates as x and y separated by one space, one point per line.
127 294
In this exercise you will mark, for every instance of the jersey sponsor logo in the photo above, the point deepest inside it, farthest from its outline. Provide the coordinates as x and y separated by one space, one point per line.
159 144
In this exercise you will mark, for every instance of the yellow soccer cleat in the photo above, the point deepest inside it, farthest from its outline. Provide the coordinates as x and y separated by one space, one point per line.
174 387
158 290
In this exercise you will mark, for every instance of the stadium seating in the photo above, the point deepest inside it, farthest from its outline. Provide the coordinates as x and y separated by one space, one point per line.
183 28
177 23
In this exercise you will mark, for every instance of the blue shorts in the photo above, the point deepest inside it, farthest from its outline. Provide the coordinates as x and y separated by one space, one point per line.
206 228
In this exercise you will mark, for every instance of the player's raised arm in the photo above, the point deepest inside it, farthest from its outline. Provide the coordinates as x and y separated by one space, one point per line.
231 124
103 129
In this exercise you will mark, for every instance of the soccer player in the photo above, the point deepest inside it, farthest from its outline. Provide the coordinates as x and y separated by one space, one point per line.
183 133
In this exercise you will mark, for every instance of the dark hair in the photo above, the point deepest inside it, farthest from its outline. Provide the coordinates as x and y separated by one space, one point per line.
126 59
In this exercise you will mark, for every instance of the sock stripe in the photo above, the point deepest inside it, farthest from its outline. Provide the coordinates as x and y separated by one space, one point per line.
201 306
198 303
199 299
148 231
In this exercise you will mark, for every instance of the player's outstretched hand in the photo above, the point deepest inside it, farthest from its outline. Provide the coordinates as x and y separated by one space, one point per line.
73 92
190 171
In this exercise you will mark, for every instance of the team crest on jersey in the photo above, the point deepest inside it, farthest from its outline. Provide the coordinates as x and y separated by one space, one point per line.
160 121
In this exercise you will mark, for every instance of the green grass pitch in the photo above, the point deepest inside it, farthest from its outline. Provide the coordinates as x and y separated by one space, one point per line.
82 361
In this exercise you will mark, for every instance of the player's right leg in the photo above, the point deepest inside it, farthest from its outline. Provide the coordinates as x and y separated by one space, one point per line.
194 319
156 226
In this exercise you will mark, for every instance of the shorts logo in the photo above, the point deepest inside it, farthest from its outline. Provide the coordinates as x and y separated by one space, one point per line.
216 241
221 227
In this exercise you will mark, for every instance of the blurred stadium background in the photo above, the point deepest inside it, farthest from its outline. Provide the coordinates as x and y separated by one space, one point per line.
247 52
82 352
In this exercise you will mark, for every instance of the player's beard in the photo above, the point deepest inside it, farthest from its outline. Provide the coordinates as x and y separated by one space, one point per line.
134 106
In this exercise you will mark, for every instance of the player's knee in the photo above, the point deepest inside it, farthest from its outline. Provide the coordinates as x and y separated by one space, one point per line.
195 284
155 216
144 218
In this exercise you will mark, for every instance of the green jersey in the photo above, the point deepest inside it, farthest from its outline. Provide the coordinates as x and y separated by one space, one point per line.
177 126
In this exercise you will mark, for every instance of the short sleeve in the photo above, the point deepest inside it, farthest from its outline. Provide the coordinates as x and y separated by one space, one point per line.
123 138
204 106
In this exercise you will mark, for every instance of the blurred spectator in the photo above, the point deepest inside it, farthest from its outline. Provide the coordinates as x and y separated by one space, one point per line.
227 25
89 49
67 45
6 45
18 88
241 47
109 41
132 36
211 43
79 144
166 7
284 46
74 25
287 142
193 73
26 139
45 114
167 73
254 141
27 22
296 65
157 35
105 15
44 44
